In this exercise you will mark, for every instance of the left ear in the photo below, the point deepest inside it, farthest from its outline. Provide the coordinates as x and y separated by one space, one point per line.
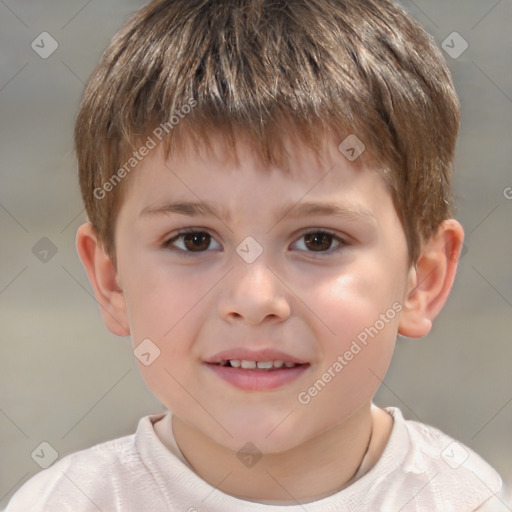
431 279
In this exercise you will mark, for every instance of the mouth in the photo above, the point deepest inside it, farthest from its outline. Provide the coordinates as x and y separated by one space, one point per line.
253 375
258 365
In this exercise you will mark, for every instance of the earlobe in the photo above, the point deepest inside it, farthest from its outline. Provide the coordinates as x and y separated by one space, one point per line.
103 277
431 279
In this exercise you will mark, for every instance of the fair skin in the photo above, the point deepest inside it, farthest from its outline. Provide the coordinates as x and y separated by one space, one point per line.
308 297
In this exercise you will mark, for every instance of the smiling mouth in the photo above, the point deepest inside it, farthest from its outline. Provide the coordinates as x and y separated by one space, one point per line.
258 365
252 375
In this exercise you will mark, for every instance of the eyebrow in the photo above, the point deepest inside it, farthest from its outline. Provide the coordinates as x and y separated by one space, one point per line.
291 210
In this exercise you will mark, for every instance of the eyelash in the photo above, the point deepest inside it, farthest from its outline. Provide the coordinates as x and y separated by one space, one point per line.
167 244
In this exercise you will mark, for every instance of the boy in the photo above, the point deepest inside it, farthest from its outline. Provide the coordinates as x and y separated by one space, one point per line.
268 190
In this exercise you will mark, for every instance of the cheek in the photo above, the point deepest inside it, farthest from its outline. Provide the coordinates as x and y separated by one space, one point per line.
354 301
359 313
166 305
355 359
160 297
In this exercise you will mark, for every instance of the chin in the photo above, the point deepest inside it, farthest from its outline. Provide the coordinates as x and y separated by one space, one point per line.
270 433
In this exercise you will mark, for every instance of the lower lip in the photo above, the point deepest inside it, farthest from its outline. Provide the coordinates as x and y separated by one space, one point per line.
258 380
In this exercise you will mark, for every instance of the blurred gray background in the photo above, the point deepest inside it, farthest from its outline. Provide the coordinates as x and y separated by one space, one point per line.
67 381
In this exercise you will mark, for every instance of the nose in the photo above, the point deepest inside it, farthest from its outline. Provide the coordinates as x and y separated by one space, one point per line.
253 293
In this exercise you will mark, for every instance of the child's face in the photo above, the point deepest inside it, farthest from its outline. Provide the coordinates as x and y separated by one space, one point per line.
307 297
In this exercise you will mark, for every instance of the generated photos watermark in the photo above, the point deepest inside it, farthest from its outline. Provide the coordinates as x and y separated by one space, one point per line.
343 360
157 135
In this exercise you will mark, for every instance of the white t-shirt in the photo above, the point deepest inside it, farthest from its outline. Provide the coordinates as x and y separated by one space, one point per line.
420 470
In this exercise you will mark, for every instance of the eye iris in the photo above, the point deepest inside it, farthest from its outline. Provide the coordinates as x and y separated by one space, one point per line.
323 238
197 241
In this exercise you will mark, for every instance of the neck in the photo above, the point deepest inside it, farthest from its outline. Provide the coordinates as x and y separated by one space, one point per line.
335 458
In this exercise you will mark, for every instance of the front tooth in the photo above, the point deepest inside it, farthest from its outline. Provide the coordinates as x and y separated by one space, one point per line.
248 364
289 365
235 363
264 364
278 364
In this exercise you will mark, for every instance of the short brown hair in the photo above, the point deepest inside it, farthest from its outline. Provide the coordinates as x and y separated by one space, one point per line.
265 67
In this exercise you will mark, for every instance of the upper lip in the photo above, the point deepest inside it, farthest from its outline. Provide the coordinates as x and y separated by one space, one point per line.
253 355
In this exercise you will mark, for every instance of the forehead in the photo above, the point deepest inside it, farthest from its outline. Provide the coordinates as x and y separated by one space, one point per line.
217 182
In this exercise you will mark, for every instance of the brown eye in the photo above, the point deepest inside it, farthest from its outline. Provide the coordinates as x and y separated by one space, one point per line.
190 241
320 241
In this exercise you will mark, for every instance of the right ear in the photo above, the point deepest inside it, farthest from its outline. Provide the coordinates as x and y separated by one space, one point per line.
102 275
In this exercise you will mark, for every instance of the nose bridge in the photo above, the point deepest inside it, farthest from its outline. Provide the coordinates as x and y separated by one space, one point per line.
254 277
